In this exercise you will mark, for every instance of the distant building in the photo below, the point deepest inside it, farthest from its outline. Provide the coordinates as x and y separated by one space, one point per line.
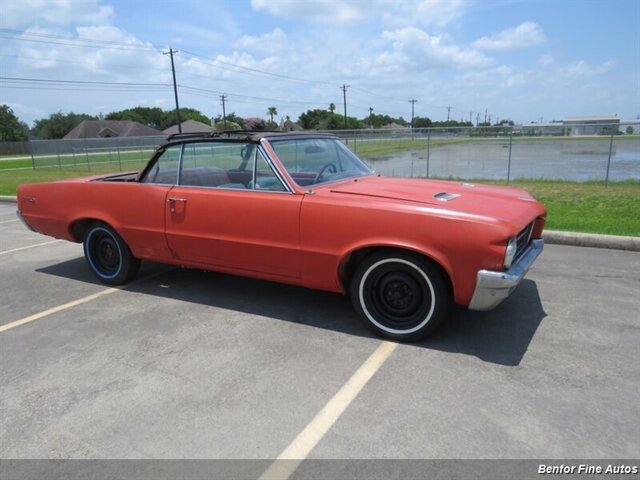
548 128
593 125
111 128
188 126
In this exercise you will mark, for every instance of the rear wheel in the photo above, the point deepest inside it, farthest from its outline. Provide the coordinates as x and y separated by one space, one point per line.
400 295
108 255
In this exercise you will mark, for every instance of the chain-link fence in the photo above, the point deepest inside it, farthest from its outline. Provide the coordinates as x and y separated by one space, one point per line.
498 153
501 153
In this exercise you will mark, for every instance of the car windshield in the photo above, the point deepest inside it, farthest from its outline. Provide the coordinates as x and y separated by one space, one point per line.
311 161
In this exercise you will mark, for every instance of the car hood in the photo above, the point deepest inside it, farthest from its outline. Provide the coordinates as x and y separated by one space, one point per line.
505 203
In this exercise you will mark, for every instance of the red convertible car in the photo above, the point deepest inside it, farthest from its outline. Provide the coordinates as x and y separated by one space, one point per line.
301 208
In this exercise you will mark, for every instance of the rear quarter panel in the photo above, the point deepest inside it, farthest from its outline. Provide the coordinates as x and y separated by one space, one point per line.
135 210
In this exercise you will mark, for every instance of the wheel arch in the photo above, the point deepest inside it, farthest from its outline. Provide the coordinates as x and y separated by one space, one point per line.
351 259
78 227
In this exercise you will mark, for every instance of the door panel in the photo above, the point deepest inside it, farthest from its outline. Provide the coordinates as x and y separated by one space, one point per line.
241 229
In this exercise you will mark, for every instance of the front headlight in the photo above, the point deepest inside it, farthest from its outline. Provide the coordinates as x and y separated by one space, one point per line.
510 253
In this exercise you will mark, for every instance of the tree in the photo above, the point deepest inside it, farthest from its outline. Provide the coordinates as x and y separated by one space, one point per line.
272 111
170 118
151 117
380 121
59 124
421 122
11 128
629 130
234 122
332 107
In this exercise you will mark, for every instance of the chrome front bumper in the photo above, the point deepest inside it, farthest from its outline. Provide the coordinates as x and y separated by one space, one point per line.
493 287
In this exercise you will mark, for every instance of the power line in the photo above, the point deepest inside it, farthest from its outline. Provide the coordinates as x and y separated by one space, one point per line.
80 43
216 62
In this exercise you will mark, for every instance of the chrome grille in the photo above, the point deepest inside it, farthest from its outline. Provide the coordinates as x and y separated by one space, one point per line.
523 239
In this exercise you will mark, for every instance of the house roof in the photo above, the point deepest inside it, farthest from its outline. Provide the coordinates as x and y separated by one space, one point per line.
188 126
110 128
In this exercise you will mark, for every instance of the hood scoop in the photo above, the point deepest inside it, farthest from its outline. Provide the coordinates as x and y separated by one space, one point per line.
445 196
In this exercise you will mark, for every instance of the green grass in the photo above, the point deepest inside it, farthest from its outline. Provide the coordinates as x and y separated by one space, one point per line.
589 207
10 179
78 160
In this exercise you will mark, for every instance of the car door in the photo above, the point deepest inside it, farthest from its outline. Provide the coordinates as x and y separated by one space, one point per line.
229 209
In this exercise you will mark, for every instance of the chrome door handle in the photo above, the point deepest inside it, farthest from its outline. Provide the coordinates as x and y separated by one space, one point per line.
172 203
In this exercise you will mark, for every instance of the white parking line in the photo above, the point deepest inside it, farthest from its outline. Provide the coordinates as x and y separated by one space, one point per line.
289 460
4 252
59 308
74 303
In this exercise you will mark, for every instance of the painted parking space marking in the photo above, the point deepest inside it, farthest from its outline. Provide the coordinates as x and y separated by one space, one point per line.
289 460
74 303
59 308
4 252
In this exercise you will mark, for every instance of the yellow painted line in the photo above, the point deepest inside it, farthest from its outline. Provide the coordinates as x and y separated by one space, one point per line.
4 252
9 221
289 460
59 308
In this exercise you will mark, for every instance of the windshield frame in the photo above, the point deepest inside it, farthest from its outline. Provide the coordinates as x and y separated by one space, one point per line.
342 152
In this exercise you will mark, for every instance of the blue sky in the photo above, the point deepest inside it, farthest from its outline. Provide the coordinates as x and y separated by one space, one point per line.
517 59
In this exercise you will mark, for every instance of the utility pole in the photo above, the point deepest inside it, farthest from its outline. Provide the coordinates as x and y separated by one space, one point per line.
175 87
485 115
448 112
344 97
413 103
224 112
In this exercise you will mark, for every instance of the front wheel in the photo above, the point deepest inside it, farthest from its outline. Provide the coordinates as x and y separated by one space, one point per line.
108 255
399 295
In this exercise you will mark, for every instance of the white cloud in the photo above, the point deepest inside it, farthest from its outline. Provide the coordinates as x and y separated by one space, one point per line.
527 34
392 12
269 42
129 58
437 13
582 69
17 13
415 49
545 60
313 10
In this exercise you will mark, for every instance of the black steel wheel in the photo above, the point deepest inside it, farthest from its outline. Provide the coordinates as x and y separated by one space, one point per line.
400 295
108 255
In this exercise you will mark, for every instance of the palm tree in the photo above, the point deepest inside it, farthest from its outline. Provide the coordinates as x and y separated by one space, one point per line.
272 111
332 107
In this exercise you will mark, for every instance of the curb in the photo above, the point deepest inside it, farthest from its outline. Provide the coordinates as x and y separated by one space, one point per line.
551 237
554 237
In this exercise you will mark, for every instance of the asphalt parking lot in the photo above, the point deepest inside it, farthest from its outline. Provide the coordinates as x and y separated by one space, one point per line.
191 364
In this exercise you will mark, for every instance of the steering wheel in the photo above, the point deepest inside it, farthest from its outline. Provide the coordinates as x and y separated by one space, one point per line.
329 167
